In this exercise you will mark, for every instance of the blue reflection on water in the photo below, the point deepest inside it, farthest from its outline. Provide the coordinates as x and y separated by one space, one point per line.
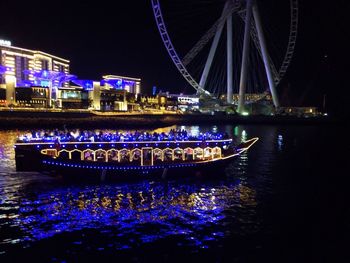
171 208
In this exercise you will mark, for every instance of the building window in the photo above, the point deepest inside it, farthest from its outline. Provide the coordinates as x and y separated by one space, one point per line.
44 64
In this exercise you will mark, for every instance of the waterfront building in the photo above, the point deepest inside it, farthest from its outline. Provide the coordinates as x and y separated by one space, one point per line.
130 85
181 101
2 96
34 97
155 102
170 101
73 97
23 67
108 95
298 111
250 97
30 78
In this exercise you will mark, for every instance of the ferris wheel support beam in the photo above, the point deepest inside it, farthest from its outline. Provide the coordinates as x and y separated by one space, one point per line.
213 48
229 96
244 72
265 55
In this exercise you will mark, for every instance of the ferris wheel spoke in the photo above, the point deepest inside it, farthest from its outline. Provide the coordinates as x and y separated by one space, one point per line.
217 26
278 74
244 67
214 46
254 37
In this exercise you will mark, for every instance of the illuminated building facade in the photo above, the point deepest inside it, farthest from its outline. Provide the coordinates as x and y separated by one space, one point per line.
35 97
21 67
130 85
113 93
31 78
298 111
171 101
73 97
250 97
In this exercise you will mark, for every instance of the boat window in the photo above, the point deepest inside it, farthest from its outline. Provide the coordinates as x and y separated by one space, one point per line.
147 156
112 156
208 153
198 154
217 152
188 154
64 154
101 155
89 155
50 152
124 156
136 155
167 155
157 155
179 154
75 155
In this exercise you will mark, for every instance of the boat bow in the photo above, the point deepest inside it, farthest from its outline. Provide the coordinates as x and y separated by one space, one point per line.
244 146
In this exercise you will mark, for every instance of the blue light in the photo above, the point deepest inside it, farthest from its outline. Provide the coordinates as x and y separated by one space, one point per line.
85 84
44 83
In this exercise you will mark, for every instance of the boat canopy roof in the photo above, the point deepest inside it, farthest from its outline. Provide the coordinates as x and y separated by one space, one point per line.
115 136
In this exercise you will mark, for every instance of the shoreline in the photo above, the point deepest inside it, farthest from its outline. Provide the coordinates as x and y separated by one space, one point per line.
19 119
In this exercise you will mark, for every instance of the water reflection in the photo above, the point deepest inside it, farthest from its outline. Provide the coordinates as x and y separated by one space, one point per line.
194 211
7 154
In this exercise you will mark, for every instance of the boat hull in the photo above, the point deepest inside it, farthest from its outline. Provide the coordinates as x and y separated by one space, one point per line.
81 169
38 157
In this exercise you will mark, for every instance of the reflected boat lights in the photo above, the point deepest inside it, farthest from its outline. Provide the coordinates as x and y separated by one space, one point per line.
129 207
280 142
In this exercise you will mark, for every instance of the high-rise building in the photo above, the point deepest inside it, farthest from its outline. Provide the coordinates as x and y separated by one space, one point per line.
31 78
22 67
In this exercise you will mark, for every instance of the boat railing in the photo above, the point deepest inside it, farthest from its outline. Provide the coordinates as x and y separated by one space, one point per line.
138 155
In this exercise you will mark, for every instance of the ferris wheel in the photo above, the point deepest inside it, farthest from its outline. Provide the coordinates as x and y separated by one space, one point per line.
251 55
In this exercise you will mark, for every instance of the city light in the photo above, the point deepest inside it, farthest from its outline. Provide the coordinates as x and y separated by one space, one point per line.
5 42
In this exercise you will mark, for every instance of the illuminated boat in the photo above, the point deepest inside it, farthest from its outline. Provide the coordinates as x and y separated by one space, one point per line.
127 157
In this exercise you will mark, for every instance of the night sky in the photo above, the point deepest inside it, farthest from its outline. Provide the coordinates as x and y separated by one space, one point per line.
100 38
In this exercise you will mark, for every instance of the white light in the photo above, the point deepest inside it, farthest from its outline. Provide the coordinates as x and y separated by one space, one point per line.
5 42
245 113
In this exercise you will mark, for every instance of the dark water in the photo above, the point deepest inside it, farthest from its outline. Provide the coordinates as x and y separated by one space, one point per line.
284 201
